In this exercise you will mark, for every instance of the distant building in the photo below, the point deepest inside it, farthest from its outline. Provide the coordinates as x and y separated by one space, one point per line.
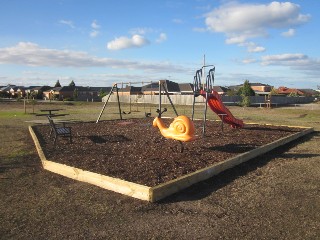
186 88
130 90
153 88
220 90
36 91
259 88
300 92
59 93
17 91
91 93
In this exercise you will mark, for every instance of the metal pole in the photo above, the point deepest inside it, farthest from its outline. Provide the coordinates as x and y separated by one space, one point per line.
105 104
205 116
166 91
116 85
159 98
194 100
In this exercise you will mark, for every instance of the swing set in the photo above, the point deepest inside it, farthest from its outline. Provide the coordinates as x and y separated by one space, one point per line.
181 129
115 90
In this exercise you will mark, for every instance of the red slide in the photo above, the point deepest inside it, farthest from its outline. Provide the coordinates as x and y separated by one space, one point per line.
216 105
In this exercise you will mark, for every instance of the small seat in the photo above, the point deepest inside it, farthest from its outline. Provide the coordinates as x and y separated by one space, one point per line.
59 131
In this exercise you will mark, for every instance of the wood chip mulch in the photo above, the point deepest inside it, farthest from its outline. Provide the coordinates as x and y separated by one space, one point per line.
135 151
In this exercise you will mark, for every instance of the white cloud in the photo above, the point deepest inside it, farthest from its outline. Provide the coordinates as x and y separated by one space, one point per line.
240 22
95 29
297 61
290 33
256 49
67 22
95 25
252 47
248 60
125 42
94 33
284 59
31 54
162 37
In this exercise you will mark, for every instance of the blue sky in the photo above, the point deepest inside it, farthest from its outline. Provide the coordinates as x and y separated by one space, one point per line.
97 43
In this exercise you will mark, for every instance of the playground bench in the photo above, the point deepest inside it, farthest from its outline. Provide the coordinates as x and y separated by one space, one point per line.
57 130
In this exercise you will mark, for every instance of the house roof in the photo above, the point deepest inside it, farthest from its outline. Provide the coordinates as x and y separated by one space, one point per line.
7 88
154 87
186 87
15 88
98 89
259 84
235 87
150 87
130 89
219 89
309 91
39 88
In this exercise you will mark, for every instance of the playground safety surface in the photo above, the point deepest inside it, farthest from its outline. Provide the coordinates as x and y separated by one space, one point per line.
134 151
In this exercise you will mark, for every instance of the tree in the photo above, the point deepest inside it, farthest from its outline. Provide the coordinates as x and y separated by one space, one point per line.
102 93
273 91
245 92
75 94
231 92
293 94
72 84
57 84
246 89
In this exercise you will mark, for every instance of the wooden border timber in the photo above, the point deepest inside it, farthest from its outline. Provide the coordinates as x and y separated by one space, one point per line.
153 194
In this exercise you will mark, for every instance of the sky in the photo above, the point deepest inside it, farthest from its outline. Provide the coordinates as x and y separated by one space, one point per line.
101 42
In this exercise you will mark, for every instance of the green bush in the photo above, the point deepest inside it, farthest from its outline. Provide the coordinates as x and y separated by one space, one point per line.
245 102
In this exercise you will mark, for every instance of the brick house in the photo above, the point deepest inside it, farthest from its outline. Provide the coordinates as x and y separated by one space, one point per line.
59 93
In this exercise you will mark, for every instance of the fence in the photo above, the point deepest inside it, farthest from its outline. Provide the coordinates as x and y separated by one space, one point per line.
188 99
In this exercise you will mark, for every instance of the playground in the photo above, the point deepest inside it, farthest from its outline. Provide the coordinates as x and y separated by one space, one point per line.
271 196
149 152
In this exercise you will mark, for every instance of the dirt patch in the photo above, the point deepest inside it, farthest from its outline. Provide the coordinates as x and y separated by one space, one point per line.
135 151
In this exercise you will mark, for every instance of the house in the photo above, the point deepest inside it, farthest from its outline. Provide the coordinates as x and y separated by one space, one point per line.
91 93
59 93
294 91
36 91
17 91
5 90
75 93
130 90
235 88
220 90
259 88
153 88
309 92
186 88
